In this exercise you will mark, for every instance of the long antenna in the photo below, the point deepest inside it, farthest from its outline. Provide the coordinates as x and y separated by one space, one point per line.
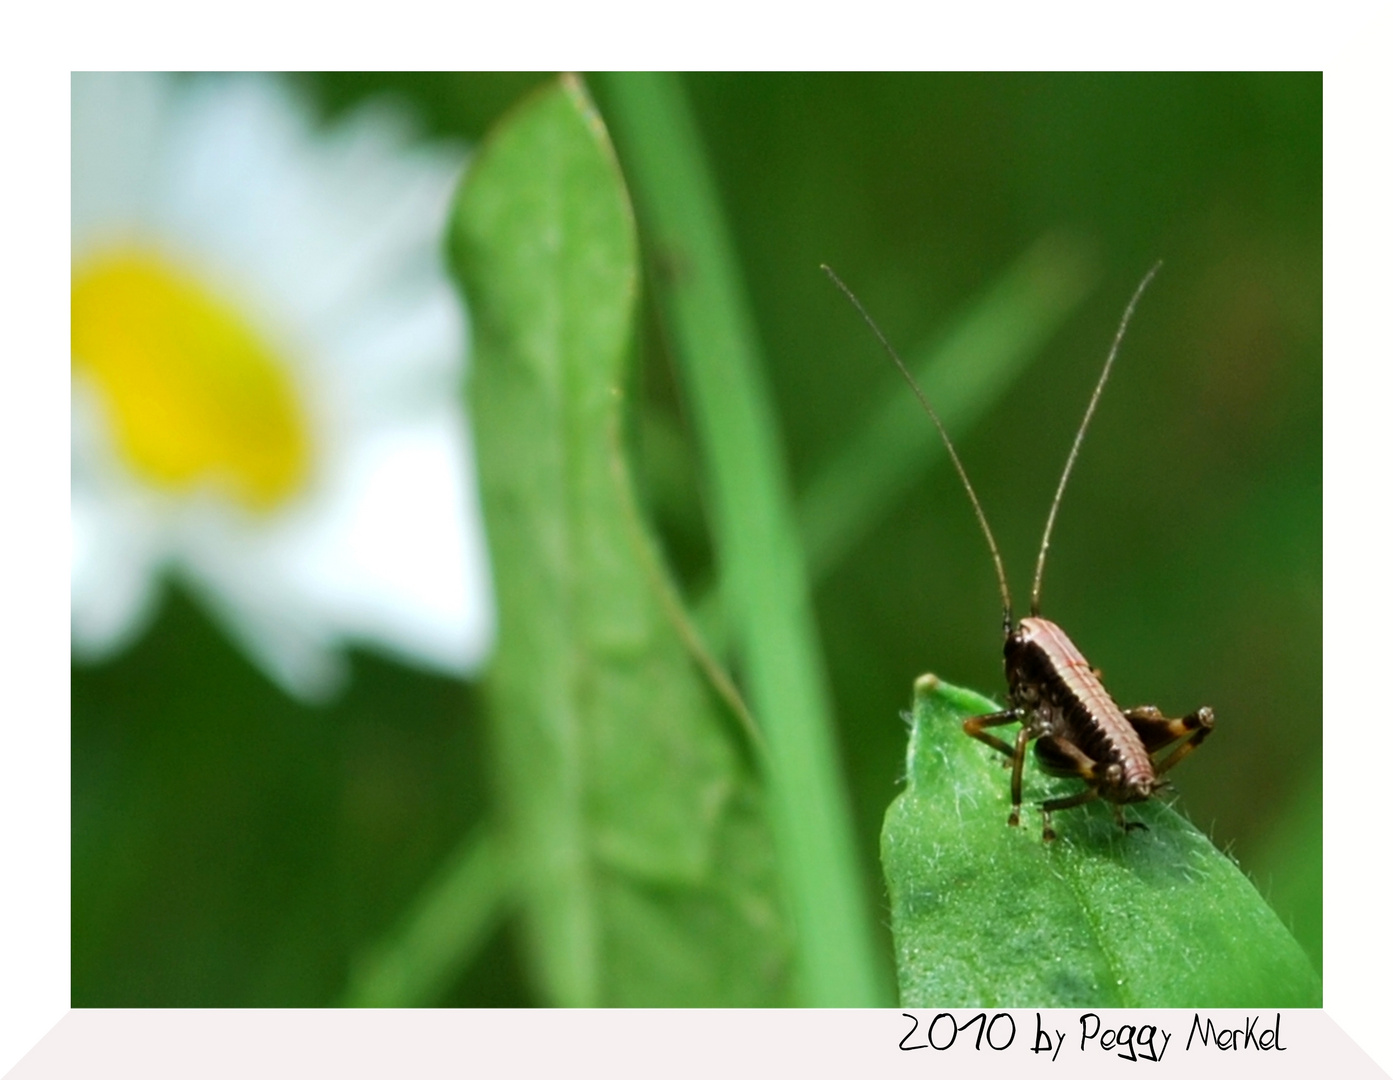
952 453
1078 439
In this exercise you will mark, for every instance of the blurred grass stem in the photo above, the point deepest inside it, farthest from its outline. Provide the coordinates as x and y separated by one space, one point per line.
438 936
764 584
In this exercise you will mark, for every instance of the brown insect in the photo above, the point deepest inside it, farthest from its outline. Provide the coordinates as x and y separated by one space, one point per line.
1055 695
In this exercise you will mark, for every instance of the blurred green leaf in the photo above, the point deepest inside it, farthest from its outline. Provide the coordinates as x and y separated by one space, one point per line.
984 914
632 809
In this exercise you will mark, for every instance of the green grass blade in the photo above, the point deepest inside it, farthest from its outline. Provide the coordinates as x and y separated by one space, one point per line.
987 915
450 921
633 815
764 586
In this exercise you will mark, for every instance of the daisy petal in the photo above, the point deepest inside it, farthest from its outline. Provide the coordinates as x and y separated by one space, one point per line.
267 379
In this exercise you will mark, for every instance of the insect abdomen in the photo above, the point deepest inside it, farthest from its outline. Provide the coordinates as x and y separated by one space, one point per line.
1084 712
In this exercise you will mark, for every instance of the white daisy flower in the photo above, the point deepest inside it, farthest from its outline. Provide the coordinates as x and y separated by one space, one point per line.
266 368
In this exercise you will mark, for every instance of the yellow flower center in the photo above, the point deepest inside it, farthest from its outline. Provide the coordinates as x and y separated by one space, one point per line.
193 395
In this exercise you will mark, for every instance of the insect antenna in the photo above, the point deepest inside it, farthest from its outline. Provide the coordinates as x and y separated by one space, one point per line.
947 442
1078 438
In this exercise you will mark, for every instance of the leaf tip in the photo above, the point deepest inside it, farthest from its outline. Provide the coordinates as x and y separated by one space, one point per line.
926 685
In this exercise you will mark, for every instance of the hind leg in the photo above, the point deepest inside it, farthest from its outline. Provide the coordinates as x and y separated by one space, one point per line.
1157 732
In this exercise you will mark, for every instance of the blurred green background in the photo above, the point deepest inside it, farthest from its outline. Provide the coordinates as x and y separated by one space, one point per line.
232 847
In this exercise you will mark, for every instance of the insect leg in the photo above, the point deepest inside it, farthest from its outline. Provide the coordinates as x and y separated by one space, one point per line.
1065 757
1201 723
974 725
1157 732
1017 764
1049 806
1123 823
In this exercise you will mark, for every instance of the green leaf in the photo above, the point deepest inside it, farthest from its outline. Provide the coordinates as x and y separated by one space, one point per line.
984 914
632 809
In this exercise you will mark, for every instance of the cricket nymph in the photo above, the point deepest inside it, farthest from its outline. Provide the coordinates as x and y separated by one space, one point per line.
1078 730
1056 696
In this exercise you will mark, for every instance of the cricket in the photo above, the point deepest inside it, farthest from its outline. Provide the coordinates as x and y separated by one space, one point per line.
1057 697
